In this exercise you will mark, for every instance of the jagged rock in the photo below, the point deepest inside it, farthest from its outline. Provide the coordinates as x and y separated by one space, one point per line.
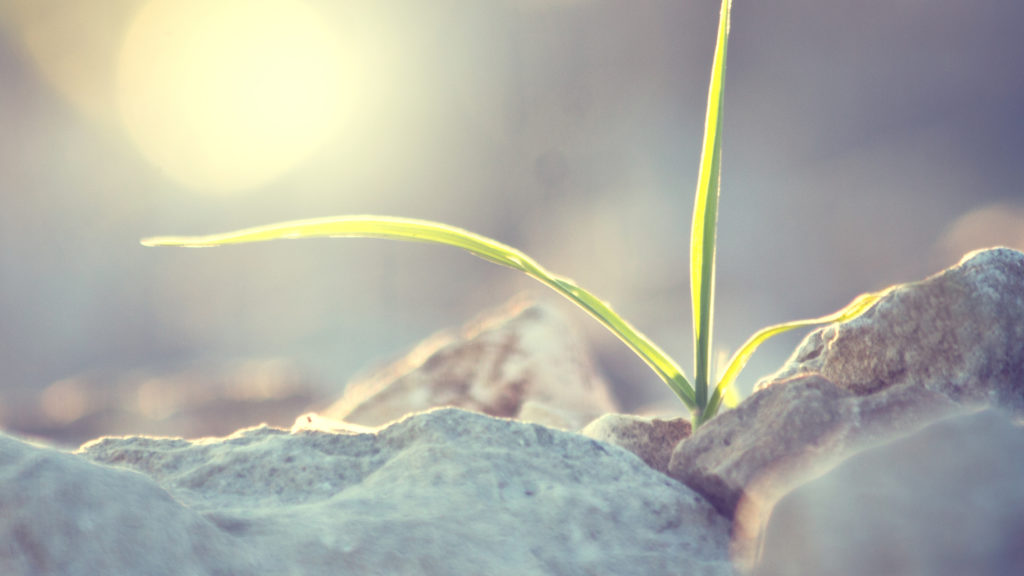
945 501
521 354
441 492
927 350
652 439
960 333
61 514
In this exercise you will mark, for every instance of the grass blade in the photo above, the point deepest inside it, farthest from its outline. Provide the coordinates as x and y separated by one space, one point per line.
705 217
855 308
432 232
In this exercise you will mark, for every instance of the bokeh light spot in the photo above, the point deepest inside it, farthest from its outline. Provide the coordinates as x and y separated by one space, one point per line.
226 95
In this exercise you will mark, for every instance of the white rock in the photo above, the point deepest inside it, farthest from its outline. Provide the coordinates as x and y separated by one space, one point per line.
442 492
951 343
63 515
945 501
519 361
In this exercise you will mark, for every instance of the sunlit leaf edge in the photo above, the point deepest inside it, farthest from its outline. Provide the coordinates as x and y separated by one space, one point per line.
705 216
415 230
855 308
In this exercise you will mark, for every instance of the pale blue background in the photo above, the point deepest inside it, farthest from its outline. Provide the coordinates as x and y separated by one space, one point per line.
857 133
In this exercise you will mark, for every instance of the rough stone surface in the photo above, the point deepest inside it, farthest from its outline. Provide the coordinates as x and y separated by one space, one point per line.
960 333
520 355
945 501
442 492
652 439
63 515
927 350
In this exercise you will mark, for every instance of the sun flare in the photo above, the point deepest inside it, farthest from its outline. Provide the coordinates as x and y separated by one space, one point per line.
227 95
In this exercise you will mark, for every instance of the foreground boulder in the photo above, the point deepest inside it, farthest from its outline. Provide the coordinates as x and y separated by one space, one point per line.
945 501
927 350
61 514
442 492
520 361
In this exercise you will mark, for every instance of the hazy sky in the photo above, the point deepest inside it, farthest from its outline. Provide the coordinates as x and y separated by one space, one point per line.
866 143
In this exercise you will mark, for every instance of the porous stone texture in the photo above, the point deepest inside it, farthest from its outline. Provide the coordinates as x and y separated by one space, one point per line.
442 492
959 333
945 501
61 514
522 355
652 439
927 350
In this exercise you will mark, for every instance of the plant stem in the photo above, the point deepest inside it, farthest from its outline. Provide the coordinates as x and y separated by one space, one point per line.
705 221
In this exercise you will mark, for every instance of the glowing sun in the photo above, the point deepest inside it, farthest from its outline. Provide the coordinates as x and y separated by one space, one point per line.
225 95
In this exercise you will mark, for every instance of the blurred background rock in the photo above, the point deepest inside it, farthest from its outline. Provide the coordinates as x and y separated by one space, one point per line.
866 144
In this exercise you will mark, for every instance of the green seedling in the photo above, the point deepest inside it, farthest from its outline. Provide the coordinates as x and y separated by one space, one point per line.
695 396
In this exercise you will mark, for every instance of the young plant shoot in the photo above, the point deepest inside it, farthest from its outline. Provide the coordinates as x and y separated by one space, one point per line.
703 400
